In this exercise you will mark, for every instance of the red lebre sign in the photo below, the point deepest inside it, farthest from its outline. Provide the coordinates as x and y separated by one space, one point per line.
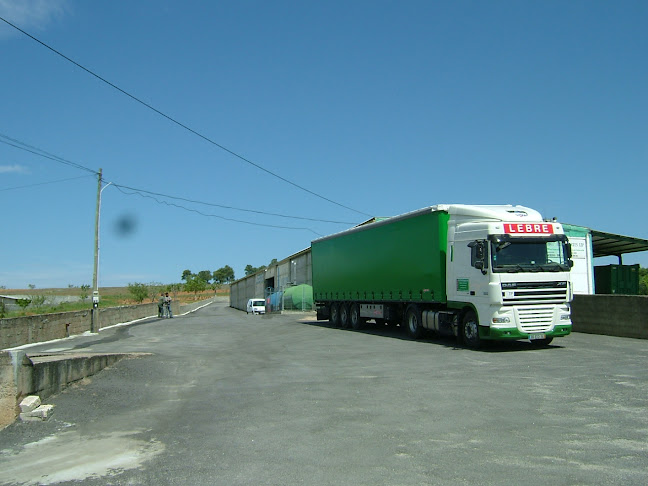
528 228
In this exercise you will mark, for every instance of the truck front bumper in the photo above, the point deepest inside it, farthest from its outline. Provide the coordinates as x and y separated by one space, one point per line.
513 333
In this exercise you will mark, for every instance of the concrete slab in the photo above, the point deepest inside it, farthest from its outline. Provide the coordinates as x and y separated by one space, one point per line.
30 403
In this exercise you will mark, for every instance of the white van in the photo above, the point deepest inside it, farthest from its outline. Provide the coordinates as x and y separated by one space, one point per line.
256 306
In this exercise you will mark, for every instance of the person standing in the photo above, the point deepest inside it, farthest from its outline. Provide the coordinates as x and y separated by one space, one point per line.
161 305
167 305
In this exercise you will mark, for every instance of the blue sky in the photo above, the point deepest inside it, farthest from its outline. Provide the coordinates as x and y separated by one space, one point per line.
342 110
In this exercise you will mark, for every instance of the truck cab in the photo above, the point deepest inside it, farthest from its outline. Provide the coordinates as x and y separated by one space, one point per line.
508 270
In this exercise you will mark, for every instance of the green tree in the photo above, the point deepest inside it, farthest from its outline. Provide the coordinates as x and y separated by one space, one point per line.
206 275
186 274
176 287
23 303
224 275
643 281
38 300
85 291
195 284
154 289
138 291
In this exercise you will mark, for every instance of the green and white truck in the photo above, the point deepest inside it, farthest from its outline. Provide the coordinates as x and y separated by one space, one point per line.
480 272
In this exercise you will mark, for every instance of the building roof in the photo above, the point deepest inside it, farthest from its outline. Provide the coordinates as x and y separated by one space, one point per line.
609 244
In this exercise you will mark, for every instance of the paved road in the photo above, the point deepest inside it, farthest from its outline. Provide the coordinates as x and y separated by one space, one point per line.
231 399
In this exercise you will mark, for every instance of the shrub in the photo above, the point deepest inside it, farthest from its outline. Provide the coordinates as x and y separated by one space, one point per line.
138 291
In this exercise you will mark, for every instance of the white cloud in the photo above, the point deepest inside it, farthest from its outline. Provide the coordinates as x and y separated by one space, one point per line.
30 13
13 169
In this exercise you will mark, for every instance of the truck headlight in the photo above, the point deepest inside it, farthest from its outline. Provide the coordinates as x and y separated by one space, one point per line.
565 317
501 320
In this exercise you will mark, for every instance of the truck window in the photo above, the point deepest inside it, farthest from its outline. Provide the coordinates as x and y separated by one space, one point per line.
519 255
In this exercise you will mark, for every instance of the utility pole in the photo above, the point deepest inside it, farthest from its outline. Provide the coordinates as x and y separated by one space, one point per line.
94 324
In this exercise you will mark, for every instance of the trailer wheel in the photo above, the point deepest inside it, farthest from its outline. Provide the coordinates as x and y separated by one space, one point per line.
413 322
344 316
334 317
357 322
470 330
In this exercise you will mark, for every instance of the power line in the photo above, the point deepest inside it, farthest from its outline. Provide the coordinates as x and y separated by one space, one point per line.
121 189
40 152
42 183
37 151
265 213
182 125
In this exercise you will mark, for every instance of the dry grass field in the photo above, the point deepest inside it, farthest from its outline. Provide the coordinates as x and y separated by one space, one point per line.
109 297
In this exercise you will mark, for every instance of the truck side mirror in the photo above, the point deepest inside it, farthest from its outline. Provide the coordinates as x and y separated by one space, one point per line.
478 255
568 250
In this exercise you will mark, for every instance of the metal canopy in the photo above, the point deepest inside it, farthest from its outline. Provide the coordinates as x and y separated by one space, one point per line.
609 244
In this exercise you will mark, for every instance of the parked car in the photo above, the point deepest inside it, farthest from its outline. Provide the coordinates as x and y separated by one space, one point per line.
256 306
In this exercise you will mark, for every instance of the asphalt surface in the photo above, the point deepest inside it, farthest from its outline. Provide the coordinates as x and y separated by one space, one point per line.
227 398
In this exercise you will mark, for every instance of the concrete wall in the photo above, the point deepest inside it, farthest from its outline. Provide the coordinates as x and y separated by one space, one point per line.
613 315
36 329
8 391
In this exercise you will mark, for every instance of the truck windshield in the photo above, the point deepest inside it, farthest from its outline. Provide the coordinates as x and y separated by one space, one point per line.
529 255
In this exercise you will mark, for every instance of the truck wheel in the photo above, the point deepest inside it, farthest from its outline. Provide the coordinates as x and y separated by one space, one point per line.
470 330
413 322
357 322
334 317
344 316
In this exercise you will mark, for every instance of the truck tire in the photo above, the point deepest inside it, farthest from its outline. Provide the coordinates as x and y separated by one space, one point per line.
413 322
470 330
334 315
344 316
357 322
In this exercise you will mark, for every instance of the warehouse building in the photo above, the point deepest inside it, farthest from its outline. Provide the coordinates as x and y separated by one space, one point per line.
285 285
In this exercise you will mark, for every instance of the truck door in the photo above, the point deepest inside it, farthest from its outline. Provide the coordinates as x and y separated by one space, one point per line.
468 272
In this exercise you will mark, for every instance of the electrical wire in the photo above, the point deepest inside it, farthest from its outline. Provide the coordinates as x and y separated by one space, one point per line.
42 183
40 152
121 189
37 151
178 123
265 213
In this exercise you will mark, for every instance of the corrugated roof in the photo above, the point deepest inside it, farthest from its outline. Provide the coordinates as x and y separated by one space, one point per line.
609 244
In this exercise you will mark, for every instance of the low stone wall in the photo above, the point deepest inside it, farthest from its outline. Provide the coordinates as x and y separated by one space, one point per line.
19 331
34 329
612 315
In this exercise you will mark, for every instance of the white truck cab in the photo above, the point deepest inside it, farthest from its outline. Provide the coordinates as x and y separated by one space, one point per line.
513 267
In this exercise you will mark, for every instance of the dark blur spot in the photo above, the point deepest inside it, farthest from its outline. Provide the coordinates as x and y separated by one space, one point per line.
126 225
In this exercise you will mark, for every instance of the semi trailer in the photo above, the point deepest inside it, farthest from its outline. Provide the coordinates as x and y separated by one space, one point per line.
477 272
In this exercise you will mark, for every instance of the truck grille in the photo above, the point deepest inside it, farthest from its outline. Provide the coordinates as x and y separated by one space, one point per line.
535 319
534 293
534 302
